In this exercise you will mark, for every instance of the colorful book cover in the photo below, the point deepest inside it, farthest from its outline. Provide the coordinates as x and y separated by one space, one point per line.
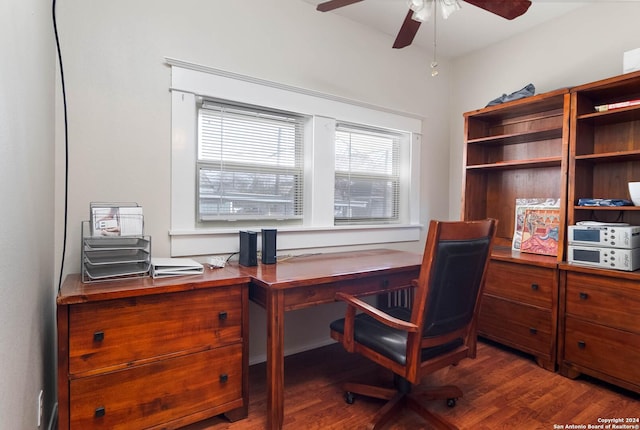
521 207
540 231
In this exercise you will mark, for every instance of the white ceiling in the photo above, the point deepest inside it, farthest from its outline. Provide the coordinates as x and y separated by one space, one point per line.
466 30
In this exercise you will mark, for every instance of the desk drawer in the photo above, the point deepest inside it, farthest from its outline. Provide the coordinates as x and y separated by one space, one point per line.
122 332
611 302
309 295
606 350
527 284
159 392
524 327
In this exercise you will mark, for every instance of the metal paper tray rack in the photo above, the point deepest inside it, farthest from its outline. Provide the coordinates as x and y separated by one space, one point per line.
107 258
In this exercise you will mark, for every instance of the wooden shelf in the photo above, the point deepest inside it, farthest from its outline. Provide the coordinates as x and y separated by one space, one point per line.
614 116
604 148
611 157
540 103
515 138
519 164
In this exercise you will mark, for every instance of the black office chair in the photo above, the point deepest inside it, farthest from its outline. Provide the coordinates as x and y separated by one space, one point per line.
438 331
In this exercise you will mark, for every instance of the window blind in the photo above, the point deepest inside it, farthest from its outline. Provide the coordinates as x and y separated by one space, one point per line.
249 164
367 181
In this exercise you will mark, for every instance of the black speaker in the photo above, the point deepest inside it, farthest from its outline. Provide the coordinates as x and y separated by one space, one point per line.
248 248
269 246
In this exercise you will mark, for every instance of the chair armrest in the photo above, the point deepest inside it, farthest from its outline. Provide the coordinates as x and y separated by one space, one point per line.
376 313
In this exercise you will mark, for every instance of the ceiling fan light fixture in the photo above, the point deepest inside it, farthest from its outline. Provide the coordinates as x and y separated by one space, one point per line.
421 9
447 7
422 15
416 4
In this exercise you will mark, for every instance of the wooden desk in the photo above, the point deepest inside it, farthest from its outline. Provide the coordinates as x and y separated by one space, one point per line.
294 283
306 281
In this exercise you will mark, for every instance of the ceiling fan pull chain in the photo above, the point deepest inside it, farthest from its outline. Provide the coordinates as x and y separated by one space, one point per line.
434 63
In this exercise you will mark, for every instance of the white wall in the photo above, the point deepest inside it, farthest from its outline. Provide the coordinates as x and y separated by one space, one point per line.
119 100
583 46
27 290
118 86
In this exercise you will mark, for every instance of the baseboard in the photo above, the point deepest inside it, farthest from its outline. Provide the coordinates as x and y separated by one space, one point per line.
290 351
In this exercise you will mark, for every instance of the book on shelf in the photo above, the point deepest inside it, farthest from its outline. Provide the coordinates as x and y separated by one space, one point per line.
536 225
612 106
541 231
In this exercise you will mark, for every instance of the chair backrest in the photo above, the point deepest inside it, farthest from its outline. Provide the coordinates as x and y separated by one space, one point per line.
452 277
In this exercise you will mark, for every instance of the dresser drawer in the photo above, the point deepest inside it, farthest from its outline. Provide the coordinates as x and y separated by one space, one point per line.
158 392
127 331
611 302
521 326
606 350
527 284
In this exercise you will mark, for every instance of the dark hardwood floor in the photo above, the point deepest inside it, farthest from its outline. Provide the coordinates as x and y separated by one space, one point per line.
503 389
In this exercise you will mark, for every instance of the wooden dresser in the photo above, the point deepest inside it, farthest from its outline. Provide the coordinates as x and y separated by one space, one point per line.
600 325
152 353
519 306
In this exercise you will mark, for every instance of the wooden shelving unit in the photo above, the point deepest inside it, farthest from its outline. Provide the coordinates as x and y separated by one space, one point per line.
518 150
599 323
558 145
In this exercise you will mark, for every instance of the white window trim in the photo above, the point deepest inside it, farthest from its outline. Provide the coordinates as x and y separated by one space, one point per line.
189 80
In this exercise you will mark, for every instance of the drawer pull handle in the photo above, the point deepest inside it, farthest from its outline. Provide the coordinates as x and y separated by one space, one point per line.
582 344
99 412
224 378
222 315
584 296
535 287
533 330
98 336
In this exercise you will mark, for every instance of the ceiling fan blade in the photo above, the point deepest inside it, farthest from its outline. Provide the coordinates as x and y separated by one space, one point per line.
334 4
407 32
508 9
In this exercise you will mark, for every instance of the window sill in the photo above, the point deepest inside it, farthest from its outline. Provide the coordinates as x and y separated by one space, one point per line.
226 241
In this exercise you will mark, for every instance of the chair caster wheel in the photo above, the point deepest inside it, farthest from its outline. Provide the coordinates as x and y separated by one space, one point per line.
349 397
451 402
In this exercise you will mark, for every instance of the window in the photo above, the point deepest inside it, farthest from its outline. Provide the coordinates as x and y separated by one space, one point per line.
249 163
366 175
247 153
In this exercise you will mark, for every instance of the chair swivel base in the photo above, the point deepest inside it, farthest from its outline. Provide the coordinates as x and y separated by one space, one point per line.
396 400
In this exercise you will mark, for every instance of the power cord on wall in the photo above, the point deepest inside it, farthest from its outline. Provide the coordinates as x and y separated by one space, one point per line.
66 145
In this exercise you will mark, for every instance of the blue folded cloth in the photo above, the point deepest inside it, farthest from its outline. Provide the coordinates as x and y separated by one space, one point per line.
604 202
527 91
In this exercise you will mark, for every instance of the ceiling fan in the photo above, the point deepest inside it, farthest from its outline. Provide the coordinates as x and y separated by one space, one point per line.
508 9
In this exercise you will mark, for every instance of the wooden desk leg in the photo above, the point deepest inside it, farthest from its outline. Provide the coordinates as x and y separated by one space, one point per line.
275 359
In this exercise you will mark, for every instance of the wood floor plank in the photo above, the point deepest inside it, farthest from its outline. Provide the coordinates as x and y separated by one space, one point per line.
503 389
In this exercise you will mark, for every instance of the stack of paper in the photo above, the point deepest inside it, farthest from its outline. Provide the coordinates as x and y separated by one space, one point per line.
116 219
161 267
